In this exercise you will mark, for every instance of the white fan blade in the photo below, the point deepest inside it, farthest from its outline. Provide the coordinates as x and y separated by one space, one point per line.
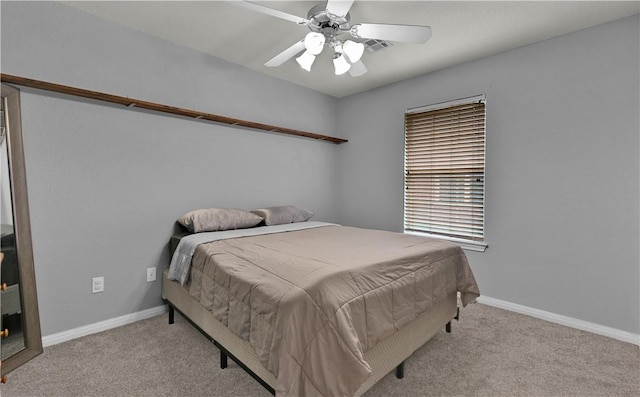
339 8
357 69
285 55
268 11
404 33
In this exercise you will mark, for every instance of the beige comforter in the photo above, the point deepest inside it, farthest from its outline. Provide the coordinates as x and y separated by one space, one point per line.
311 302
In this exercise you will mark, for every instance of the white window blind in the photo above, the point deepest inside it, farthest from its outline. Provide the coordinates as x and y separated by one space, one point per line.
444 170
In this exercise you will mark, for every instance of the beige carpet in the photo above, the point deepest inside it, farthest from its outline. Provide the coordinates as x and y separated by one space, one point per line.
491 352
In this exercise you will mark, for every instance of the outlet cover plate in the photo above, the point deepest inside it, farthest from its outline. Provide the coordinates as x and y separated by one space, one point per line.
151 274
97 285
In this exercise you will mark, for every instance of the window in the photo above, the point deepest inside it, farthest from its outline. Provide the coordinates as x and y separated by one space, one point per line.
444 170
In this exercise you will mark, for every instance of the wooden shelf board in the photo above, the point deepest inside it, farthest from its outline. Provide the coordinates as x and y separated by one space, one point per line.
136 103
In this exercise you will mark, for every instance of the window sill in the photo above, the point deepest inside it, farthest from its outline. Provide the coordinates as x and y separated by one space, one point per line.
469 245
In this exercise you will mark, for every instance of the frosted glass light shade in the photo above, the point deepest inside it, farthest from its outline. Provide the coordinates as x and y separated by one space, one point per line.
341 65
306 60
314 42
353 50
357 69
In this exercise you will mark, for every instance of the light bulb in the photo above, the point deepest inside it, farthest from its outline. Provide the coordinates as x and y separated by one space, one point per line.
353 50
341 64
314 42
306 60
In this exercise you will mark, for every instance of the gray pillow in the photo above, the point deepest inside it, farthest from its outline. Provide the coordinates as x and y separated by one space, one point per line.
218 219
283 214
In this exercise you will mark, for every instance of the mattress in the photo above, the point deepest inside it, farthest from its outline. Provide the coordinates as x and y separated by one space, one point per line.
311 303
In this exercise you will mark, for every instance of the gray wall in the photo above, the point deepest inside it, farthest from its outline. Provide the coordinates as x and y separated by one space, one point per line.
562 178
106 183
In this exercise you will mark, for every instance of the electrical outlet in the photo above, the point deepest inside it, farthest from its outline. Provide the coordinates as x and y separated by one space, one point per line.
151 274
97 285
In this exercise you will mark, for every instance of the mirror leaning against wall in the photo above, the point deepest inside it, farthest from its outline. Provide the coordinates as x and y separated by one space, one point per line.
20 338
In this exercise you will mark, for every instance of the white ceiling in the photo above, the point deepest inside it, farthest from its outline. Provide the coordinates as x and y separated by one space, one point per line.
461 31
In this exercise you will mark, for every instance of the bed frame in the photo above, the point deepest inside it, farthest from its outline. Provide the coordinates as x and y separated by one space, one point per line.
390 353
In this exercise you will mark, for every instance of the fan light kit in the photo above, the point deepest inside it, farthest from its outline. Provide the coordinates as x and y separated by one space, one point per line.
326 24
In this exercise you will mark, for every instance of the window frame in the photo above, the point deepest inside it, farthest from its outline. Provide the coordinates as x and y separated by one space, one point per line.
468 244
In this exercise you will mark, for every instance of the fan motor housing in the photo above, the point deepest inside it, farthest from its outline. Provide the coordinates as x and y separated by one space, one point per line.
321 21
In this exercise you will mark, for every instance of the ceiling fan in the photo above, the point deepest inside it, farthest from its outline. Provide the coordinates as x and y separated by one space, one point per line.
327 23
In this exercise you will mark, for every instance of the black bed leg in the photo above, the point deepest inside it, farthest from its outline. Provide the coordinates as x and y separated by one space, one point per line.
171 313
223 359
457 318
400 371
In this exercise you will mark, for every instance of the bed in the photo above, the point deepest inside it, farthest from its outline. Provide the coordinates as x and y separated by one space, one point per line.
314 308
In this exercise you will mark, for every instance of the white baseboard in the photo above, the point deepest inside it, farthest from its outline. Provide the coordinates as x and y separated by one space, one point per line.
64 336
563 320
614 333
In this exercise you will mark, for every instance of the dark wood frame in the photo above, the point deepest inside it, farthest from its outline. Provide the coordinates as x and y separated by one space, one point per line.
22 230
